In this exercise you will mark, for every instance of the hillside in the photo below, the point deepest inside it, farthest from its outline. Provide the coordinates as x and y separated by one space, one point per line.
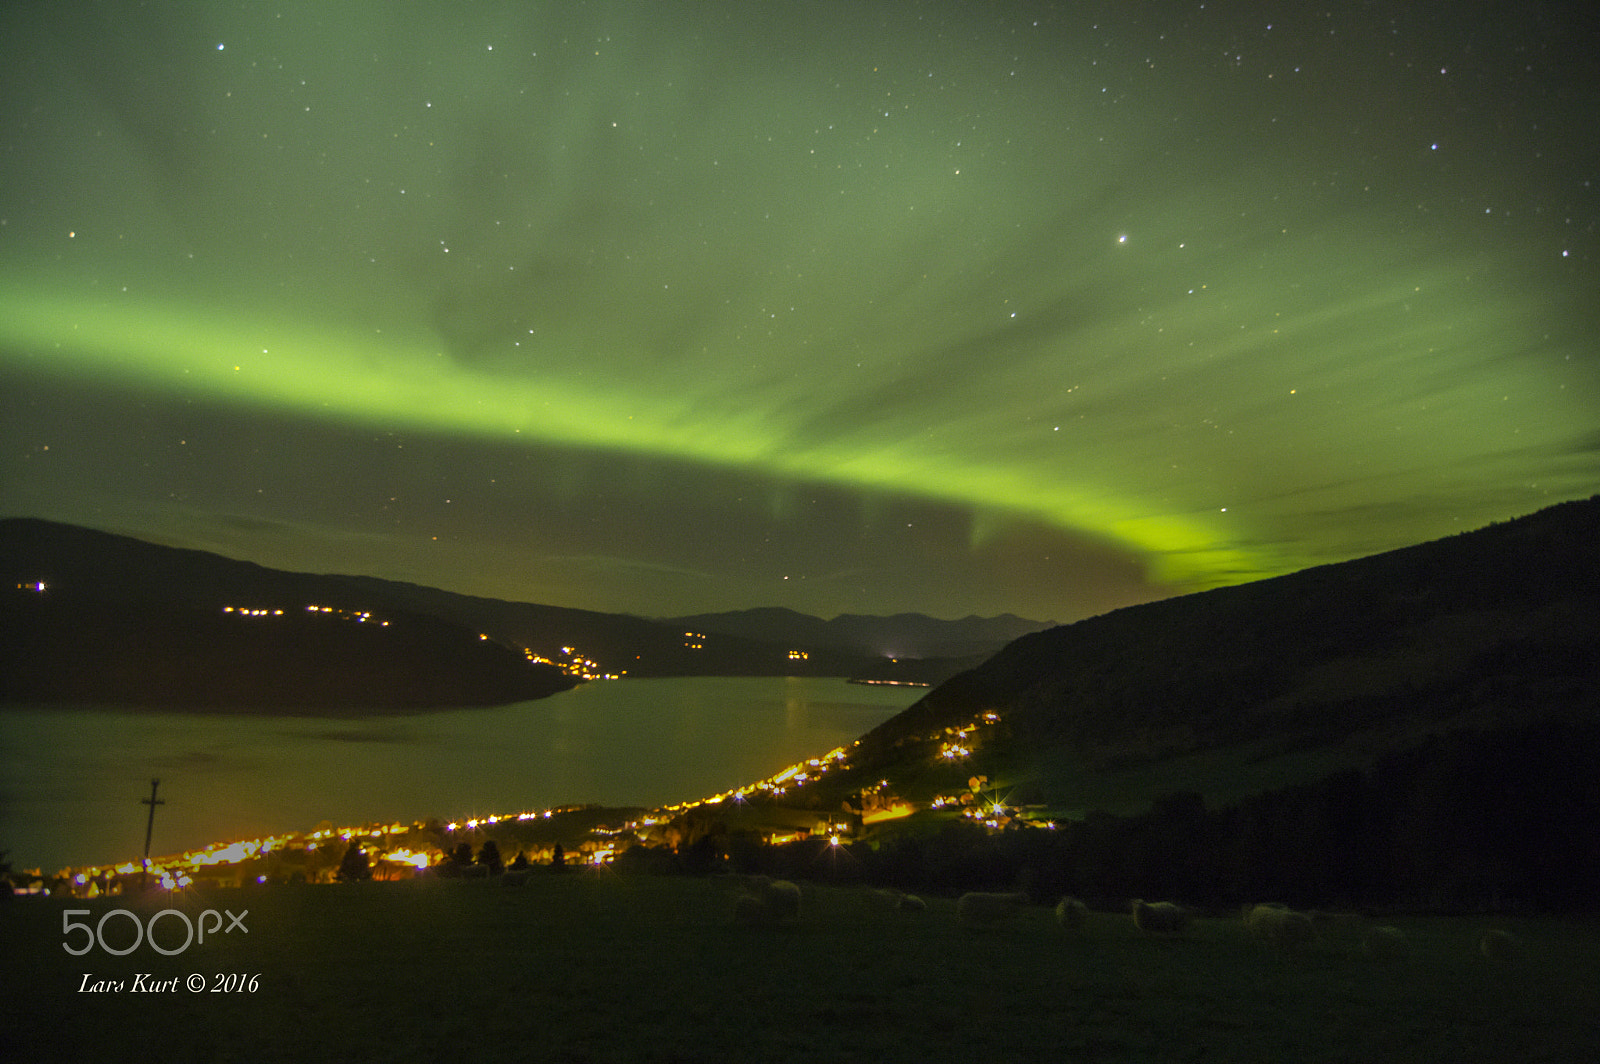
1417 730
77 646
123 621
1498 626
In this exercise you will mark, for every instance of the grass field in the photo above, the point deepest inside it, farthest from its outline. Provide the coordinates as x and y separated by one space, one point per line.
599 967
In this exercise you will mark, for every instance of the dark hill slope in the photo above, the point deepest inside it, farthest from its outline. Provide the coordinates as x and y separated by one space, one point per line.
1419 729
66 646
1494 627
144 609
120 621
118 569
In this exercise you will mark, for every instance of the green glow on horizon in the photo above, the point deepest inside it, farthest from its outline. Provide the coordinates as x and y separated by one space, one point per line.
331 376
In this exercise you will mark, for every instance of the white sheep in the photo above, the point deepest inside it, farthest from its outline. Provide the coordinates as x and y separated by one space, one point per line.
749 909
782 898
981 910
884 898
1501 947
1247 910
1160 917
773 902
1071 913
1281 926
887 898
1386 943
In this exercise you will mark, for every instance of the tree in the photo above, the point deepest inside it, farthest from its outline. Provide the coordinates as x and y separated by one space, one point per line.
354 866
489 857
558 857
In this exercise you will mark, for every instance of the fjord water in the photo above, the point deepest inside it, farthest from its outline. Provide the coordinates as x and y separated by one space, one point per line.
73 777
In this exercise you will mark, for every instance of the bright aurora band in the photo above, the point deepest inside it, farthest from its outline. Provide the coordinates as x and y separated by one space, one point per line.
868 307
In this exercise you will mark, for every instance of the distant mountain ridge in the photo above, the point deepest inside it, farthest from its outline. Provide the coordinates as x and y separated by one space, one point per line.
910 635
96 581
88 617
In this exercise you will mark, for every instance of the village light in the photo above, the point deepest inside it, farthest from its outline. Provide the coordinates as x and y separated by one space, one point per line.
407 857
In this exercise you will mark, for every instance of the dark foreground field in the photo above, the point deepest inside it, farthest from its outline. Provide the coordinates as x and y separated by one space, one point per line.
605 968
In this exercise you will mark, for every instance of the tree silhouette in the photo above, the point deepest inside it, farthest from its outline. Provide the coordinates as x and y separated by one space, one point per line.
489 857
558 857
354 866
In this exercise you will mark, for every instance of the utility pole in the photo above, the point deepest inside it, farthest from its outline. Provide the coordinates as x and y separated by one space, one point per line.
149 829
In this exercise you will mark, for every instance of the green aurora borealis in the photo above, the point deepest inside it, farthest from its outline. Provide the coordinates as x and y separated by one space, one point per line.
958 308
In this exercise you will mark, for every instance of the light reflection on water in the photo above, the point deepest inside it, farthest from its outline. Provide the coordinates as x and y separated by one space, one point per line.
71 779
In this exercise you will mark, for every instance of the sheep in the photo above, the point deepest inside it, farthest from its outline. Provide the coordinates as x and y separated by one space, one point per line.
1336 926
1160 917
1281 926
1254 915
771 903
981 910
1500 947
1071 913
1385 943
887 898
1248 909
884 898
749 909
782 898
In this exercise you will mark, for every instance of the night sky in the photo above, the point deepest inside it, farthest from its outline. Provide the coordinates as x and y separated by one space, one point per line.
847 307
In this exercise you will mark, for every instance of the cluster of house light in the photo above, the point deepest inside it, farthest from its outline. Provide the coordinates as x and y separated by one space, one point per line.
956 744
573 664
479 822
358 616
175 872
597 854
796 775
